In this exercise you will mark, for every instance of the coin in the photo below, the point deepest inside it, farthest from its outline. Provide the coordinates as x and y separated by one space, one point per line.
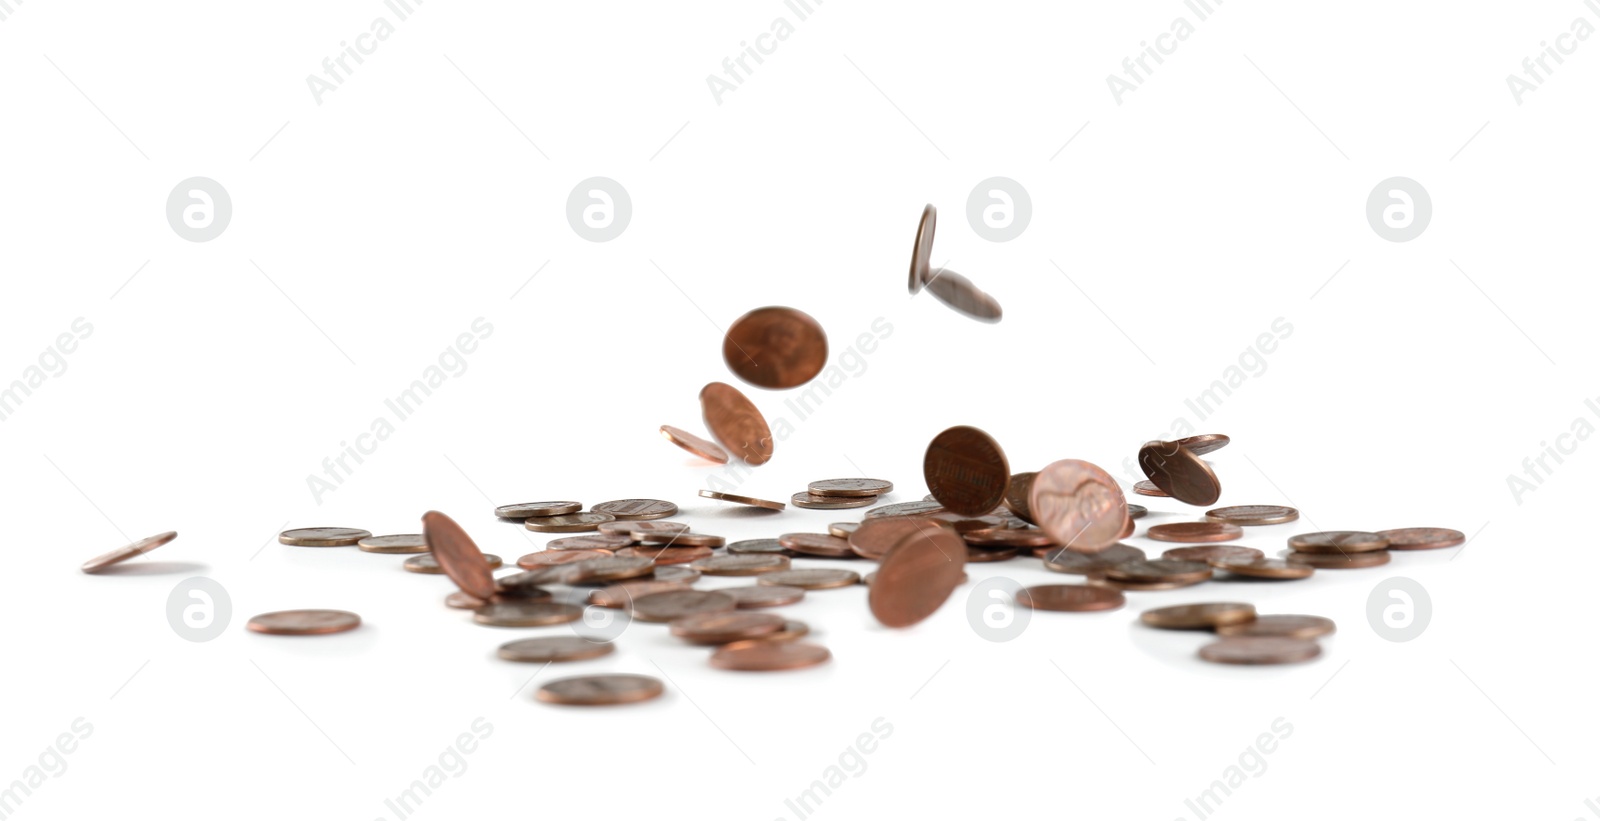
1337 542
526 613
1078 504
402 543
817 544
966 470
746 564
457 555
1177 471
842 529
1422 538
850 487
463 601
791 630
1159 570
1253 514
1204 616
427 563
703 448
683 540
632 510
549 557
721 628
526 585
758 546
635 531
922 251
675 604
525 509
1204 443
595 541
811 501
922 508
768 655
676 573
775 347
554 648
1120 584
1007 537
1294 627
1335 561
992 554
611 569
959 293
1261 568
1069 598
566 523
622 595
1194 532
742 500
917 575
1205 553
1061 560
594 691
304 622
667 555
734 420
875 537
1145 487
811 578
1260 650
1137 511
122 554
322 536
755 596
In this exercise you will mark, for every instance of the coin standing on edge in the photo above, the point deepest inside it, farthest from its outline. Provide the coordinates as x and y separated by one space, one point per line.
122 554
966 470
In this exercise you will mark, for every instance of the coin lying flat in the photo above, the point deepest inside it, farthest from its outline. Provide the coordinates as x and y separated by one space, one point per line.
1206 553
966 470
1422 538
1260 650
775 347
304 622
1335 561
1007 537
917 575
875 537
122 554
1195 532
1293 627
612 569
721 628
812 501
667 555
734 420
850 487
743 564
758 546
1123 584
1137 511
429 564
635 531
758 596
1159 570
555 557
1247 515
1203 443
741 500
526 586
1145 487
1180 473
1079 505
1337 542
675 604
399 543
817 544
322 536
922 250
1069 598
457 555
633 510
683 540
1061 560
791 630
622 595
960 293
525 509
1261 568
595 691
769 655
567 522
1198 616
842 529
554 648
811 578
526 613
703 448
592 541
922 508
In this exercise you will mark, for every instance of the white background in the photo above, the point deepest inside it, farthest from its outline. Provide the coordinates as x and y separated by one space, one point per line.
372 229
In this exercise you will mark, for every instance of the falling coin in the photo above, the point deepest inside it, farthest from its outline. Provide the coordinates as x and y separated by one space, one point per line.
632 510
402 543
1260 650
742 500
527 509
595 691
734 420
745 564
1079 505
1203 616
922 250
1204 443
1069 598
817 544
850 487
1247 515
959 293
721 628
567 523
622 595
322 536
429 564
457 555
554 648
1207 553
556 557
757 596
526 613
811 578
1145 487
675 604
775 347
1337 542
1293 627
769 655
876 537
703 448
1178 472
1422 538
122 554
966 470
1195 532
612 569
811 501
1335 561
917 575
1159 571
304 622
1261 568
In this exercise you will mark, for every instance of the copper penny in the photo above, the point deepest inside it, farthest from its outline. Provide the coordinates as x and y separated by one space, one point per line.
1016 499
923 508
682 540
922 250
667 555
875 537
1206 553
555 557
322 536
811 501
1335 561
633 510
525 509
1007 537
1249 515
1090 564
521 613
850 487
1145 487
1338 542
593 541
758 546
1260 650
465 601
703 448
622 595
400 543
1195 532
1203 616
596 691
611 569
1261 568
775 347
427 563
1204 443
567 522
791 630
1422 538
1293 627
526 584
1120 584
1128 529
917 575
966 470
1137 511
554 648
1159 570
457 555
734 420
675 604
676 573
768 655
1079 505
758 596
1069 598
817 544
122 554
744 564
635 531
1180 473
811 578
961 294
992 554
741 500
842 529
721 628
304 622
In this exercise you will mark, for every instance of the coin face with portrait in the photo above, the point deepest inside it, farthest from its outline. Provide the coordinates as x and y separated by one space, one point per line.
775 347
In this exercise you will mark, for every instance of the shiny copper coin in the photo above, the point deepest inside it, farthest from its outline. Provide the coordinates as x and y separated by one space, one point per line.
791 630
1337 542
1159 570
1079 505
758 546
768 655
635 531
734 420
526 613
1206 553
1145 487
1180 473
427 563
1016 499
1137 511
917 575
612 569
1335 561
1204 616
675 604
1089 564
741 500
1293 627
966 470
556 557
758 596
923 508
457 555
850 487
1007 537
1247 515
960 293
594 541
811 501
1069 598
747 564
525 509
122 554
1260 650
703 448
875 537
1261 568
922 250
401 543
566 523
1119 584
304 622
721 628
622 595
811 578
667 555
1204 443
817 544
596 691
775 347
633 510
682 540
992 554
1195 532
322 536
554 648
1423 538
842 529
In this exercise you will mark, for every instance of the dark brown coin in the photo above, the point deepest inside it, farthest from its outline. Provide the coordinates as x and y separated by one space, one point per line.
768 654
1128 529
758 596
556 557
1293 627
427 563
1337 542
457 555
817 544
675 604
554 648
745 564
1204 443
875 537
1017 491
1335 561
734 420
636 531
1422 538
681 540
594 541
758 546
721 628
1145 487
1248 515
917 575
525 586
1079 505
401 543
122 554
1195 532
566 523
464 601
1260 650
960 293
1206 553
1069 598
922 250
791 630
741 500
676 573
842 529
595 691
667 555
304 622
1090 564
1159 570
633 510
621 596
850 487
322 536
1180 473
1114 554
775 347
922 508
966 470
1007 537
1119 584
611 569
992 554
811 501
525 509
1261 568
1137 511
1204 616
811 578
523 613
703 448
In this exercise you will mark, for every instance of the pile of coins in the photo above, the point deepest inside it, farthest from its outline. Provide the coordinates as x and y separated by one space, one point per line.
1247 638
